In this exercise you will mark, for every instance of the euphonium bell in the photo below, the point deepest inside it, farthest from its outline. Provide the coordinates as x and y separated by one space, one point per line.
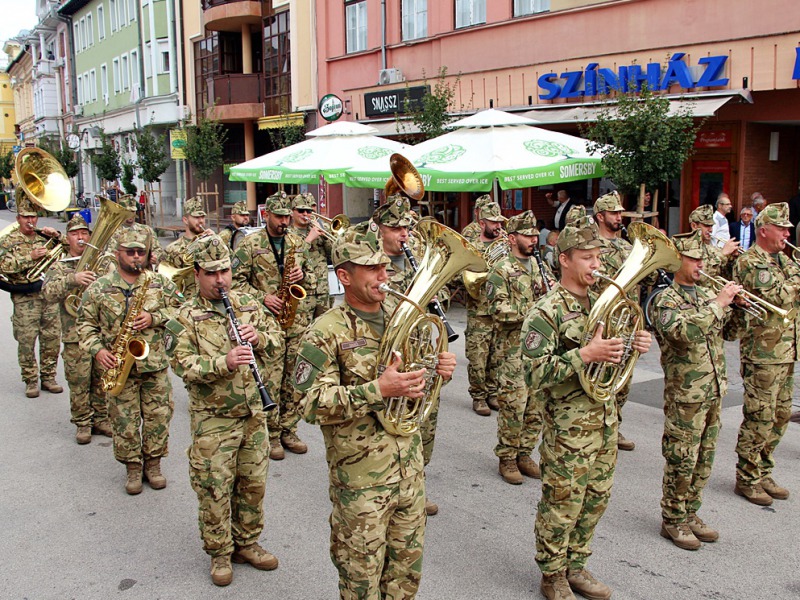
43 179
405 178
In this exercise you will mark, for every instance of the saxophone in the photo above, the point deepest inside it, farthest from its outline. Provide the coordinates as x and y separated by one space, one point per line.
128 346
289 293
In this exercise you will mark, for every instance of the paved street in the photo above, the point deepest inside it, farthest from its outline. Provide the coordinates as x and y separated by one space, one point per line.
70 531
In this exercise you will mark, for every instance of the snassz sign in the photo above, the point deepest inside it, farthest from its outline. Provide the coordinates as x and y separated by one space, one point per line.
391 102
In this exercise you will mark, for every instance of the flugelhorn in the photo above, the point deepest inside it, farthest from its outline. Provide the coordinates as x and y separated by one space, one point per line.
739 249
795 253
753 305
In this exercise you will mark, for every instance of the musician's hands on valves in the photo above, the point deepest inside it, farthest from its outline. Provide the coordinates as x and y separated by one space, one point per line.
729 294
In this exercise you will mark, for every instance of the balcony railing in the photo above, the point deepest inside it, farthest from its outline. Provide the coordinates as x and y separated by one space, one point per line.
212 3
236 89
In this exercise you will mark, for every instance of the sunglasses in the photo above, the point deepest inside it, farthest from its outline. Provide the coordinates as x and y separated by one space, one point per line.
135 251
306 211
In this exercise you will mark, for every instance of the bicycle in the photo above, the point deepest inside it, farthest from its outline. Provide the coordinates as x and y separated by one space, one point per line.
11 202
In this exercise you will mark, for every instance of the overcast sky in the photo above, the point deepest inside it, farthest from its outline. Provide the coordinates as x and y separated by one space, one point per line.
16 15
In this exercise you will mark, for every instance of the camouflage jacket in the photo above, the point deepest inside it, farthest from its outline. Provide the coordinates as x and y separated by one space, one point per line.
104 307
511 291
15 257
58 284
197 340
552 335
226 233
776 280
154 245
175 255
472 232
715 263
255 271
318 255
689 333
612 255
337 381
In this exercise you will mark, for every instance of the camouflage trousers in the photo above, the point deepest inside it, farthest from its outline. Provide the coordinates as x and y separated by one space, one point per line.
577 476
285 418
321 302
140 417
767 408
519 421
478 338
688 446
622 398
428 432
34 318
87 400
377 537
228 463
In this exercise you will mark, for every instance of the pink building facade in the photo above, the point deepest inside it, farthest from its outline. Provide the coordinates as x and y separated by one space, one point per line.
735 62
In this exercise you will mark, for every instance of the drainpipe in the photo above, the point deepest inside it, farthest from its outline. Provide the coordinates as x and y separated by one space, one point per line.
383 34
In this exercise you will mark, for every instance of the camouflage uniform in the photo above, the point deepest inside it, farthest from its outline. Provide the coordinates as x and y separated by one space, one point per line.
472 230
688 328
715 263
377 483
178 253
228 458
226 233
319 254
768 352
87 400
153 245
256 272
141 413
579 441
33 316
511 291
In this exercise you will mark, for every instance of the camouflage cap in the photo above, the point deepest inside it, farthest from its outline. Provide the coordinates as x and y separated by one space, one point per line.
133 238
77 222
360 245
491 212
482 201
608 202
25 207
194 207
573 214
304 201
523 223
278 204
240 208
704 215
396 212
212 254
689 244
128 202
774 214
582 235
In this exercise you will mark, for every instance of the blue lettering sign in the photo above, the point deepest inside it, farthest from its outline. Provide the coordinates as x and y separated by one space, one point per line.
547 82
796 74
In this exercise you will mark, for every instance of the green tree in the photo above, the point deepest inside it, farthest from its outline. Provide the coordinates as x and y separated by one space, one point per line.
641 142
106 159
153 154
287 134
62 153
433 111
6 165
205 144
128 173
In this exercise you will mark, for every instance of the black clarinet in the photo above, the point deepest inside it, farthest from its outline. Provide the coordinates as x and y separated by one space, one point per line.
435 306
538 256
266 401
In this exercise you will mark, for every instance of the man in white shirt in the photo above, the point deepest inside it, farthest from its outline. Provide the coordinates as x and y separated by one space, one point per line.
721 233
563 203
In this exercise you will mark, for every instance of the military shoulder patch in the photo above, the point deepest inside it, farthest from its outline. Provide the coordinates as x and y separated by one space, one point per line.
235 263
172 330
666 317
764 276
533 340
489 288
302 372
353 344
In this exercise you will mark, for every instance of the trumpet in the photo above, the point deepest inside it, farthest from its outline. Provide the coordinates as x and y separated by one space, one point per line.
332 228
739 249
753 305
795 253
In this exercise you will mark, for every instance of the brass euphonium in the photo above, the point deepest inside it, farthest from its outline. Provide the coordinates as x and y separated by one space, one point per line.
179 276
405 179
620 316
492 254
94 257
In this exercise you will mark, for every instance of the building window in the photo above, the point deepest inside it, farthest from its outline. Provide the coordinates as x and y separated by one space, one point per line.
117 79
135 82
76 34
93 84
101 23
89 30
470 12
79 88
131 10
415 19
126 73
277 64
122 10
112 14
87 89
530 7
163 56
356 23
104 82
206 65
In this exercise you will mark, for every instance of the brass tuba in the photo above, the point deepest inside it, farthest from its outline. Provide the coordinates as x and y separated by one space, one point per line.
405 179
620 316
417 336
43 179
180 276
94 257
492 254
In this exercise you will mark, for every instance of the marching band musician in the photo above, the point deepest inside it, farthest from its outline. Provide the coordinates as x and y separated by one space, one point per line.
579 440
258 270
128 202
33 317
688 321
717 262
472 230
177 253
240 217
228 458
318 251
512 286
377 482
141 413
768 352
88 409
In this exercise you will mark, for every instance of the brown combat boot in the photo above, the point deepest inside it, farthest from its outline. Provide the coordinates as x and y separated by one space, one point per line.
509 471
491 402
103 428
479 407
221 570
527 466
276 450
292 443
134 484
152 472
701 531
587 586
431 508
681 535
556 587
624 443
256 556
50 385
31 389
83 435
773 489
753 493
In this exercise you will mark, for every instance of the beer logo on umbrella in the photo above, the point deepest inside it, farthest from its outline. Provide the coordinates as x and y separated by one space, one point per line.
544 148
445 154
373 152
295 157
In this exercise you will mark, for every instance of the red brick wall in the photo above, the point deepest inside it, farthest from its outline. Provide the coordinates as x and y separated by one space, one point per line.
777 181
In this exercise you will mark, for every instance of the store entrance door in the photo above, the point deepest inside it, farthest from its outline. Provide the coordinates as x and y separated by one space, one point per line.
709 179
